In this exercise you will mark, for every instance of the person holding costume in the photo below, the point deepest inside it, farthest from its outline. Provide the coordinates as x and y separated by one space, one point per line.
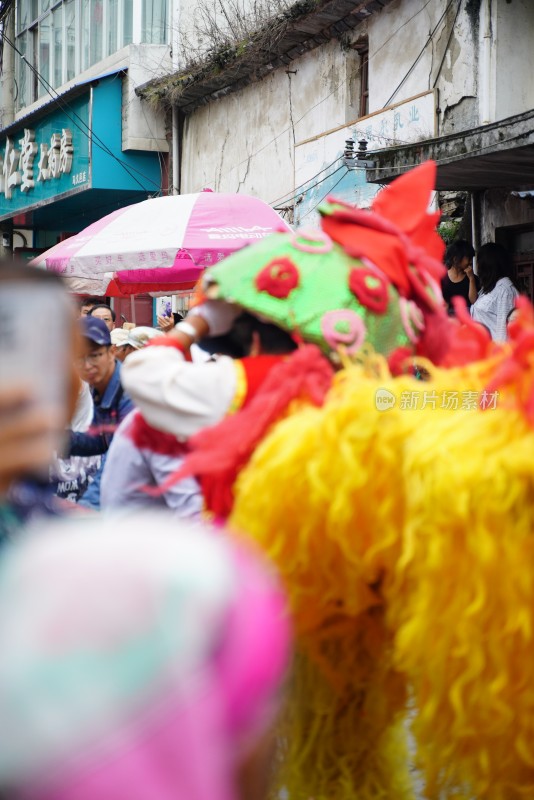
367 279
141 457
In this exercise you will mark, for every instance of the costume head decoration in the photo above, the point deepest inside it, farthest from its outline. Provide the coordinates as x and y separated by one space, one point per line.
138 660
368 278
406 545
366 282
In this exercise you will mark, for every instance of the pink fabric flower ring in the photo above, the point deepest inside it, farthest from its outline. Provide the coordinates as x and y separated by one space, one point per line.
343 327
312 241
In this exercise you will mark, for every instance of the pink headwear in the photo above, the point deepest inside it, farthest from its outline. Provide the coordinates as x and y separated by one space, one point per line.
141 661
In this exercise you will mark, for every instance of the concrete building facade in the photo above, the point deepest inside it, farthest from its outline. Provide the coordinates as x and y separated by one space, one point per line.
271 114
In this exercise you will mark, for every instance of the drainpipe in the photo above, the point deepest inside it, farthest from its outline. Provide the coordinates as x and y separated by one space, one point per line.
475 227
485 71
175 151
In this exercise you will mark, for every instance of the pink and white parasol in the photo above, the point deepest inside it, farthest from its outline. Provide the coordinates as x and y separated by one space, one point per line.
162 244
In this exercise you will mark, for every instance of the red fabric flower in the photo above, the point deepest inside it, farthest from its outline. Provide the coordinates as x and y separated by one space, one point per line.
278 278
397 361
396 233
370 288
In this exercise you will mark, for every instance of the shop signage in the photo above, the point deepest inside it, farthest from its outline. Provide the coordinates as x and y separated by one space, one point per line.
17 165
46 160
69 152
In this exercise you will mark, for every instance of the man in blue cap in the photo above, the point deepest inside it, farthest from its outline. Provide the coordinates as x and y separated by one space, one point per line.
98 367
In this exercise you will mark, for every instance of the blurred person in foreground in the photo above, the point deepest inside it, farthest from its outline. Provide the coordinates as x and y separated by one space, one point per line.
38 394
162 685
99 368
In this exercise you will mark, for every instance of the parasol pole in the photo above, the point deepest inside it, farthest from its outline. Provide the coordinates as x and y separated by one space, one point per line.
132 308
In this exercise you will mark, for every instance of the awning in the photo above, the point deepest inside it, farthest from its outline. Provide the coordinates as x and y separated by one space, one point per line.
495 156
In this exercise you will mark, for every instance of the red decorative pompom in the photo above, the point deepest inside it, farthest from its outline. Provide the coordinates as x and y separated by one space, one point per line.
397 361
278 278
370 288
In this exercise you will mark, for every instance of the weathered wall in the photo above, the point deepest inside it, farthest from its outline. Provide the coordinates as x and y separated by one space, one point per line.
228 145
396 38
514 41
500 209
245 141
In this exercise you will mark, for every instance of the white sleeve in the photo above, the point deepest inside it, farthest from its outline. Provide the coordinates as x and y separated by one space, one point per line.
505 303
175 395
83 413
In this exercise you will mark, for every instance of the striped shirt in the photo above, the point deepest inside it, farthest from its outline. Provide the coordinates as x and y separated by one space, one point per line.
491 309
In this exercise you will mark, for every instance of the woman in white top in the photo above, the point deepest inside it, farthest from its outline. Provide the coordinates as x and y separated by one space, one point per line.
497 293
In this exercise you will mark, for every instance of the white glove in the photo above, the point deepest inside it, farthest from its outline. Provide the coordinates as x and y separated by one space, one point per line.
219 315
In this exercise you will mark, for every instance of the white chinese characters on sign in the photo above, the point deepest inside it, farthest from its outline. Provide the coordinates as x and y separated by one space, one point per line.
66 151
54 155
17 166
10 176
28 151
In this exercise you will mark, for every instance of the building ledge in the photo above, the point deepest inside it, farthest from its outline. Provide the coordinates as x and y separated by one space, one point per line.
305 26
495 156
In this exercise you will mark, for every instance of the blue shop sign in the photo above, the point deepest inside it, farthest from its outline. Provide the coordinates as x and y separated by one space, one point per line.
45 161
76 147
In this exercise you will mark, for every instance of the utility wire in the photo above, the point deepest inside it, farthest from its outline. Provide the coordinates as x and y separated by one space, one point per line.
89 132
446 50
430 37
318 203
302 185
319 183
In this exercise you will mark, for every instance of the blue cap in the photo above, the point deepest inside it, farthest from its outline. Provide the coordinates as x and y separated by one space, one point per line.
95 330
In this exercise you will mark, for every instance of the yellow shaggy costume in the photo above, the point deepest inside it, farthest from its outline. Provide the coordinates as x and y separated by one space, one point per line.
406 543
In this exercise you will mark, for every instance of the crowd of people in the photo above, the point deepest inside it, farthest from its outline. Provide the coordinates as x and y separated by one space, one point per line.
140 522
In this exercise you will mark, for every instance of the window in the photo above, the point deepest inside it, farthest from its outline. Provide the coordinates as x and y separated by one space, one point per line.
69 10
22 73
92 19
62 38
113 27
154 27
57 37
43 61
127 13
